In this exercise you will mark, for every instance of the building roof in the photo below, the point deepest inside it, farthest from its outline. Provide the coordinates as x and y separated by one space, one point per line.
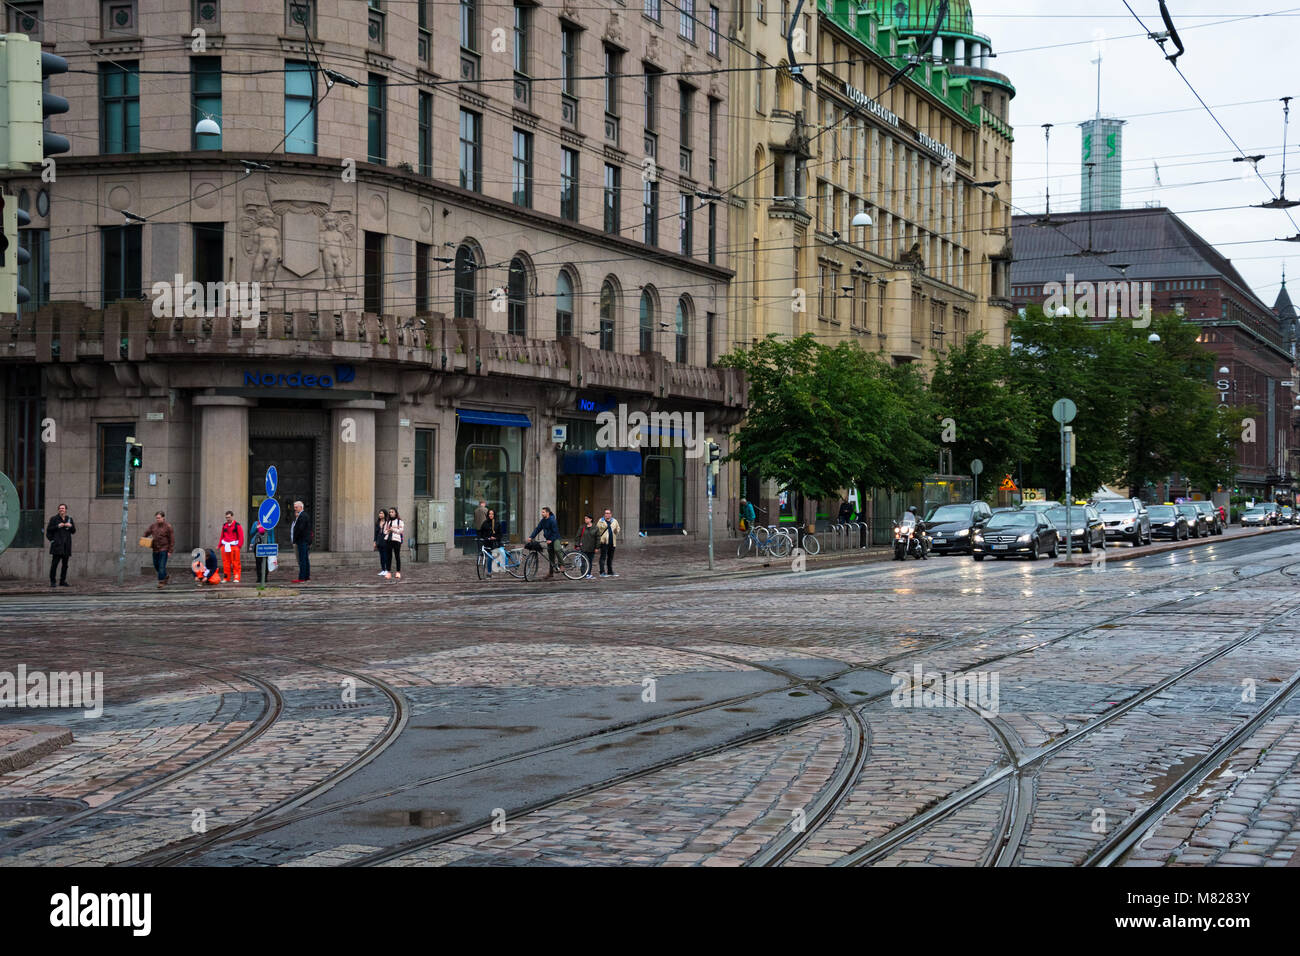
1283 307
1154 242
912 16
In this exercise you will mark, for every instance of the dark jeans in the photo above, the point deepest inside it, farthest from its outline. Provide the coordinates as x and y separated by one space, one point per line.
395 555
54 563
607 559
160 564
304 562
591 561
383 555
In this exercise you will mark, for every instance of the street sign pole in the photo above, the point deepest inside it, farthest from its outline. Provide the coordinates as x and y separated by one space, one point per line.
976 467
126 505
1064 411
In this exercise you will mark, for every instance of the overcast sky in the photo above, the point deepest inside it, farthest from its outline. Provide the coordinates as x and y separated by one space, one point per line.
1251 62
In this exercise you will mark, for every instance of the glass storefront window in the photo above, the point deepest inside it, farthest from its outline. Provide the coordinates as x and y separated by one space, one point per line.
663 489
489 462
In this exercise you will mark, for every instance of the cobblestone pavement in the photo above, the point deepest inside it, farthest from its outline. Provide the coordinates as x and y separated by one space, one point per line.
670 717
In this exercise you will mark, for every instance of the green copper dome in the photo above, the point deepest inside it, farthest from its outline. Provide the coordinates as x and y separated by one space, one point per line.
917 16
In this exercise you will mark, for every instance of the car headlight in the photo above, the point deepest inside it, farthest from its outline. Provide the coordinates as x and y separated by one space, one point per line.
1170 524
963 532
1077 531
1023 539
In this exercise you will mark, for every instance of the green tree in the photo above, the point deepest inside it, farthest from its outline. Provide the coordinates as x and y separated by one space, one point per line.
994 423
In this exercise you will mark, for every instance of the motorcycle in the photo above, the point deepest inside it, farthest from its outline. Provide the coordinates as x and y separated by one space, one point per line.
909 539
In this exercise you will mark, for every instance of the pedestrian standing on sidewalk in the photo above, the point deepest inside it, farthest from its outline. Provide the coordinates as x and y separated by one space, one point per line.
480 514
300 535
395 530
59 531
609 531
259 537
232 546
162 539
381 541
588 539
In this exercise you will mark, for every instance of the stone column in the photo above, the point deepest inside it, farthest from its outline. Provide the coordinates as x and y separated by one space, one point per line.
959 56
352 475
937 51
223 463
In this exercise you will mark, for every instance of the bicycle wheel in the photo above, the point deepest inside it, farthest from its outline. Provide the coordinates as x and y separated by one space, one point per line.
530 566
574 565
481 566
745 546
515 563
760 535
780 544
811 544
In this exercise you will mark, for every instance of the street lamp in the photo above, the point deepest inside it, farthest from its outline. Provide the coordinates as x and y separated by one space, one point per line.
207 125
861 220
1153 338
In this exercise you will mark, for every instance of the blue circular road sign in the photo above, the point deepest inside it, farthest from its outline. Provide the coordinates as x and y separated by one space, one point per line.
272 479
269 513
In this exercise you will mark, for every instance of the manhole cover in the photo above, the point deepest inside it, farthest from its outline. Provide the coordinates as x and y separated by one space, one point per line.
39 807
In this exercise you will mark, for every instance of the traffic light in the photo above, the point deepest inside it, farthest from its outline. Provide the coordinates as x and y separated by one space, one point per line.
12 255
24 104
137 455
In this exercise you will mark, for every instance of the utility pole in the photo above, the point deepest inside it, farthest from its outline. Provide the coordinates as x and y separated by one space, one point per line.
711 465
126 505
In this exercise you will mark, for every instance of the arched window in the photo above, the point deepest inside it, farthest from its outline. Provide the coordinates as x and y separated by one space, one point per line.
518 298
647 321
682 329
563 305
607 316
466 282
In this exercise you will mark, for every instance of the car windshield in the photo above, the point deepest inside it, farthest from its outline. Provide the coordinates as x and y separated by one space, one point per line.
1016 519
1115 507
1187 509
1256 511
1286 511
1161 512
1057 515
950 513
1204 506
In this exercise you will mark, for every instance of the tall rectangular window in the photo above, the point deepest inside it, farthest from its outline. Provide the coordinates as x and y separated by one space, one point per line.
426 134
651 99
469 25
377 120
209 253
686 20
425 465
760 79
713 233
422 252
205 83
686 221
569 184
713 31
713 141
119 107
652 10
568 59
710 322
111 465
121 263
374 278
299 109
34 274
523 24
684 115
613 66
650 207
612 186
522 169
471 150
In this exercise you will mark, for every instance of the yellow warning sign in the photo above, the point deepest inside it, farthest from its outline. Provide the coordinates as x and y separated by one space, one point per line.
1007 484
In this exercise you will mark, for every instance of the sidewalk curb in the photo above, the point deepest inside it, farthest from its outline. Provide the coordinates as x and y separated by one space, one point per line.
1175 546
42 739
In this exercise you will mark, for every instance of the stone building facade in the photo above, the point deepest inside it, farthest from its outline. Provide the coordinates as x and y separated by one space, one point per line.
482 239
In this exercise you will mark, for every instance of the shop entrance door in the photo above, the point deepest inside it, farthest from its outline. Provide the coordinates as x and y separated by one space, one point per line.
295 464
578 495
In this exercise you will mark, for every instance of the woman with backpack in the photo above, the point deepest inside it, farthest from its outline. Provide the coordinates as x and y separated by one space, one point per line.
395 531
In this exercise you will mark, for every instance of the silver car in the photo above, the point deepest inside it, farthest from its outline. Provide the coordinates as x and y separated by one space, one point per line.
1126 519
1259 516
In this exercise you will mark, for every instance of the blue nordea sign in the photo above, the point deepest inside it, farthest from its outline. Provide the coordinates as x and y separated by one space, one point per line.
286 380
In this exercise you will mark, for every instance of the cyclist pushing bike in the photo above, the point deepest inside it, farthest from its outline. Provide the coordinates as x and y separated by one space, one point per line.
549 529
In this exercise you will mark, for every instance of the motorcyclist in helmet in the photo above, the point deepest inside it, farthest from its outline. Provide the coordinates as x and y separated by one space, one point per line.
915 520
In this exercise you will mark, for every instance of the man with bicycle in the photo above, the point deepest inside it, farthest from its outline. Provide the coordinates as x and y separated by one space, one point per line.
550 530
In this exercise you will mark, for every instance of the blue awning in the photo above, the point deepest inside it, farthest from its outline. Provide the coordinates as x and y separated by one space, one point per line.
474 417
581 463
622 463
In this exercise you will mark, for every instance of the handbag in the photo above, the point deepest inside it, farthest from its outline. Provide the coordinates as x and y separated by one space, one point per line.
146 542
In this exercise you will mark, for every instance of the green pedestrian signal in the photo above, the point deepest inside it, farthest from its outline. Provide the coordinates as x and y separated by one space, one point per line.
137 456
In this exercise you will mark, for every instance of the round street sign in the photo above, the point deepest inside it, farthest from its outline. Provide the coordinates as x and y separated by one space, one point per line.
10 512
976 467
272 479
1064 410
268 515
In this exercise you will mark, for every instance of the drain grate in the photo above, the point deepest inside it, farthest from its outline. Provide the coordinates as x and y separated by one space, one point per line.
337 706
40 807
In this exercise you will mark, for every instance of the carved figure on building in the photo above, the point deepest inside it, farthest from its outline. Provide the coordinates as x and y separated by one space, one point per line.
911 259
614 28
334 258
265 248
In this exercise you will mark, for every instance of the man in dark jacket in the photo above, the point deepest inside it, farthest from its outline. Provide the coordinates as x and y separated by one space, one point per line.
60 531
300 535
162 538
550 530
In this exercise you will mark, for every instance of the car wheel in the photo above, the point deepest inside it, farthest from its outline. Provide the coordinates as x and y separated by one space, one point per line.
1056 547
1087 545
1033 552
978 557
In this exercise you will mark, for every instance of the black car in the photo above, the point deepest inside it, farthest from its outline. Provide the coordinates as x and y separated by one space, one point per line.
1167 521
1086 528
1013 533
953 527
1212 517
1197 525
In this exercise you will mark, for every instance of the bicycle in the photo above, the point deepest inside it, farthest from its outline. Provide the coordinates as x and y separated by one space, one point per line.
775 544
514 565
572 564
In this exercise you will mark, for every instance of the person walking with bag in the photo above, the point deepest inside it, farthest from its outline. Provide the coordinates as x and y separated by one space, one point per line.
162 539
395 531
59 531
381 541
609 531
300 535
259 537
231 543
588 539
